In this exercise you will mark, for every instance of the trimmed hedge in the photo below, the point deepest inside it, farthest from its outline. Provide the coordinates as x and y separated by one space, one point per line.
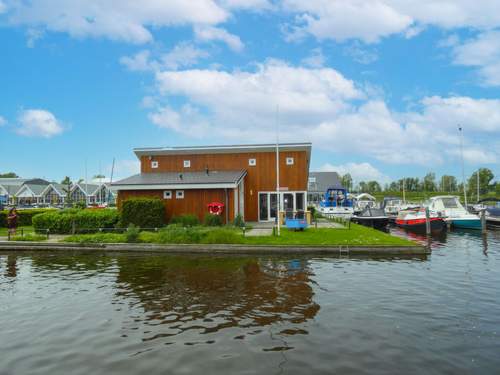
24 217
85 221
143 213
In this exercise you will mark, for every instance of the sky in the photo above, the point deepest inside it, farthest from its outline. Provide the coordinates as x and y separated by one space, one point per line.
378 86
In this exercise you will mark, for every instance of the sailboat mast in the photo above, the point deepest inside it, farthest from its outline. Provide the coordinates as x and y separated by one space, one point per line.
463 166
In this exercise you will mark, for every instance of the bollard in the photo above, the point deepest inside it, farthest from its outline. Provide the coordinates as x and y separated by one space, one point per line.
427 221
483 221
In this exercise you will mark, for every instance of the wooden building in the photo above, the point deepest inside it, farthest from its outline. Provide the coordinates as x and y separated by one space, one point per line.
241 177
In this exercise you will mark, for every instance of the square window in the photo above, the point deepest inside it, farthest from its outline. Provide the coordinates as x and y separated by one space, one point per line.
179 194
154 164
289 161
252 162
187 163
167 194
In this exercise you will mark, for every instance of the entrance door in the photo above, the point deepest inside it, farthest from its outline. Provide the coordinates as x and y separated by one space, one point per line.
268 206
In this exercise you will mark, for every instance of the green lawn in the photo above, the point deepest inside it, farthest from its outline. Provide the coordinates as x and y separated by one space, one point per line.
26 229
356 236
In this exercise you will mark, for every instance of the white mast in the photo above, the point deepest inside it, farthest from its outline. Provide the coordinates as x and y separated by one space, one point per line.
463 166
278 168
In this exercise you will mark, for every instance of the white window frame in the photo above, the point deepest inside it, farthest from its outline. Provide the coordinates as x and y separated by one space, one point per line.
252 162
179 194
154 164
187 163
281 201
289 160
167 194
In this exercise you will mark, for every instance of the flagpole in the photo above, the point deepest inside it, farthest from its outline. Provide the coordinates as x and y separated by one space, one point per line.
278 169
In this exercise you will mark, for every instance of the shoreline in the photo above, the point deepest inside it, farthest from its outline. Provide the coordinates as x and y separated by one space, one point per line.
216 248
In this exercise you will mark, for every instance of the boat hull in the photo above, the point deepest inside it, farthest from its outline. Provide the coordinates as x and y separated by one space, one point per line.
372 222
466 223
419 225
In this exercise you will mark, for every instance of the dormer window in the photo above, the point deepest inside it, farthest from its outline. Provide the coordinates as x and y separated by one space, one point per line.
252 162
289 161
154 164
187 163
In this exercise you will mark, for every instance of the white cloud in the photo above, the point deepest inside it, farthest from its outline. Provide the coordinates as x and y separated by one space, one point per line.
210 33
482 52
315 60
246 4
322 106
3 121
358 171
3 7
360 54
32 36
126 20
182 55
38 123
371 20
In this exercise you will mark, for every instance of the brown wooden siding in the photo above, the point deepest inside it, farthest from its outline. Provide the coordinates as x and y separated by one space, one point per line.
194 201
261 177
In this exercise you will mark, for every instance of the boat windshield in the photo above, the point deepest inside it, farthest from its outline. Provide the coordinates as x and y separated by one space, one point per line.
450 202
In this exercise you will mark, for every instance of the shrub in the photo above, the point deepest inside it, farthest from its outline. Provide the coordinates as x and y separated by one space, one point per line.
143 212
238 221
222 236
212 220
24 216
186 220
88 220
96 238
179 235
132 234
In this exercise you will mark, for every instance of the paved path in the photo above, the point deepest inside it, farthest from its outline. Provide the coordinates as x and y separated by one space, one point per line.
258 232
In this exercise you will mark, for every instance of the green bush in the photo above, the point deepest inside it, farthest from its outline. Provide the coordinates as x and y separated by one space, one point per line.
96 238
83 221
212 220
179 235
143 212
223 236
24 217
132 234
186 220
238 221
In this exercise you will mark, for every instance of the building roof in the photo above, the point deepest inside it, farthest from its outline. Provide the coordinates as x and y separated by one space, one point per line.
321 181
222 149
21 181
87 189
184 180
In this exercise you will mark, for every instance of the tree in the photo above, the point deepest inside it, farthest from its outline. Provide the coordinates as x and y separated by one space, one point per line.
346 181
363 187
67 188
374 187
8 175
448 184
485 178
429 182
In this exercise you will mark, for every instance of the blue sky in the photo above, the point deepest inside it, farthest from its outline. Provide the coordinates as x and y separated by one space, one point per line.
378 86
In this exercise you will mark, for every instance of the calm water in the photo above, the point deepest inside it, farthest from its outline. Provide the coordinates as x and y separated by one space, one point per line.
133 314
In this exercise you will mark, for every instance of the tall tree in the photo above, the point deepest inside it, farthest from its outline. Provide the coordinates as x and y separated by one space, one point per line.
346 181
8 175
67 188
429 182
448 183
485 178
373 187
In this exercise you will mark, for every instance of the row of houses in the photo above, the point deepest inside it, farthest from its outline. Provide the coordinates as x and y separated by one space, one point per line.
39 192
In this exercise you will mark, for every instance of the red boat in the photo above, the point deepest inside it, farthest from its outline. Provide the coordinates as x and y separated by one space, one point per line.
415 220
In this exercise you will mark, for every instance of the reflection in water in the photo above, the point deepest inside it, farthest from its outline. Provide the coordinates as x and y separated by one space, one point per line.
11 267
211 294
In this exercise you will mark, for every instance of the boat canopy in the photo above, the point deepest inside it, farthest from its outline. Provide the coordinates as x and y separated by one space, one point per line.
365 197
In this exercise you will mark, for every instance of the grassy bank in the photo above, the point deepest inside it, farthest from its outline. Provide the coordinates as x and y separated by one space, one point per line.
22 229
356 236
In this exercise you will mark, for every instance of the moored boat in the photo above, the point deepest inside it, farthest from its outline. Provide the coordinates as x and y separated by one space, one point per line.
416 221
450 207
372 217
336 203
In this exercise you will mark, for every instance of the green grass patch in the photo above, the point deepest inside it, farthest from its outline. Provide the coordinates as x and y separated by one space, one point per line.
29 237
358 235
24 229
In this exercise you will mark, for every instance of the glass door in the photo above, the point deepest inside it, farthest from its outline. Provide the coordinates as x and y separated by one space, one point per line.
263 207
273 206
